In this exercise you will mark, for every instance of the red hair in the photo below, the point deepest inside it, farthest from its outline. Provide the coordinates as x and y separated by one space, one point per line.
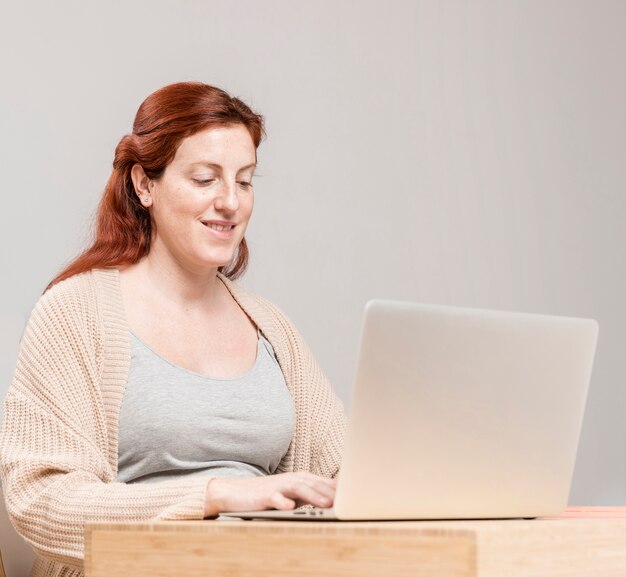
123 227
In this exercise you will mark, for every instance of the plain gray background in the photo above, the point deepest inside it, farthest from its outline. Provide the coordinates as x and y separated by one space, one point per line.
467 153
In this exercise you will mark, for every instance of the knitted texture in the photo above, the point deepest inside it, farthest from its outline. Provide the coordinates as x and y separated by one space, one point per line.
58 443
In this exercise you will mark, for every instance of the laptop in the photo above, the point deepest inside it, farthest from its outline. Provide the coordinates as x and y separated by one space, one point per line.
460 413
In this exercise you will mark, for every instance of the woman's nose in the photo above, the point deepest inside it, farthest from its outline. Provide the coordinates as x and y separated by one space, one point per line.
227 198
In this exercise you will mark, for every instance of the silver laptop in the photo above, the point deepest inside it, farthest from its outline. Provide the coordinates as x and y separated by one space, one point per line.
461 414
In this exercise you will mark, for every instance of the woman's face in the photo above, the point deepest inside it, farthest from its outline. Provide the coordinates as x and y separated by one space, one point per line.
202 203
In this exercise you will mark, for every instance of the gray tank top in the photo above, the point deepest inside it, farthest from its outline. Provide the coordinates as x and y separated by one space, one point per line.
176 422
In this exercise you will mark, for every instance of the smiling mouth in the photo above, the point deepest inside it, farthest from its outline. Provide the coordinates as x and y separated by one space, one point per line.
220 227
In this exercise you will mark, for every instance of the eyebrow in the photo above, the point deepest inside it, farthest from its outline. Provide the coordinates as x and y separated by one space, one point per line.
219 166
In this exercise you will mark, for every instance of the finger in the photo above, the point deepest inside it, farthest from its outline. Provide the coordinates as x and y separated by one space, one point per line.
303 492
321 485
279 501
326 491
325 480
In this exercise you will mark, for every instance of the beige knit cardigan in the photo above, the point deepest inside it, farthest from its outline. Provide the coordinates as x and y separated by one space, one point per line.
58 443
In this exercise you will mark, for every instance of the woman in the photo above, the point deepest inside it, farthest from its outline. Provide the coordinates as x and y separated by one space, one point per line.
149 385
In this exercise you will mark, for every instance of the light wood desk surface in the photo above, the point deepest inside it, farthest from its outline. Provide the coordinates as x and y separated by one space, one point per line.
585 542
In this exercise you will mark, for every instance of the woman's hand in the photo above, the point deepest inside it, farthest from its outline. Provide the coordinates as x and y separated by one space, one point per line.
283 491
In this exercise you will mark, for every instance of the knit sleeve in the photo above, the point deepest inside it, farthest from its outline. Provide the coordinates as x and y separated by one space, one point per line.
324 418
54 463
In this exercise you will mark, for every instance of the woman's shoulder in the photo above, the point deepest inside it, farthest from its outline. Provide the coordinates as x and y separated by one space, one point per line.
73 285
77 289
75 299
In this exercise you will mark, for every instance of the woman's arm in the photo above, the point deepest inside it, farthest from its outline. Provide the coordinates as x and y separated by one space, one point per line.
56 480
58 471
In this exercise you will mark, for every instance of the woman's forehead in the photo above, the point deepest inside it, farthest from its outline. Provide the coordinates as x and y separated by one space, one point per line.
230 144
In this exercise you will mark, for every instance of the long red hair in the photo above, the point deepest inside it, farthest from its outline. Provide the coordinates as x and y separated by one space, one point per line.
123 228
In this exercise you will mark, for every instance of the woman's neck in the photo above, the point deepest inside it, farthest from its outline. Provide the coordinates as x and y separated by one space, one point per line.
179 285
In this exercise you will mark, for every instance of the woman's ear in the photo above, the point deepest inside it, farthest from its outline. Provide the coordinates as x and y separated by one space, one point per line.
142 185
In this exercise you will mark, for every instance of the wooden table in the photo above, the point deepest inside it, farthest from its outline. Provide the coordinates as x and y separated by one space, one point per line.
585 542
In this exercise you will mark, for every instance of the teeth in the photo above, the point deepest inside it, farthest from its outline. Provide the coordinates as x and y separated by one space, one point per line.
219 226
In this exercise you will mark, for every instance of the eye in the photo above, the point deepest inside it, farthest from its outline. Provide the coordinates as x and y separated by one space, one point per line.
203 181
244 184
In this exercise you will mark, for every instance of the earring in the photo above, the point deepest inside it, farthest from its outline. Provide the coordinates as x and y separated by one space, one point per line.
145 199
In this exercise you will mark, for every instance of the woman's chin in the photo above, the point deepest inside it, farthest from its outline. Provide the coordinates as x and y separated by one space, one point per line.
218 261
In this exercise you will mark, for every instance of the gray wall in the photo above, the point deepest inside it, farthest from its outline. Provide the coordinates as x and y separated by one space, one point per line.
468 153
